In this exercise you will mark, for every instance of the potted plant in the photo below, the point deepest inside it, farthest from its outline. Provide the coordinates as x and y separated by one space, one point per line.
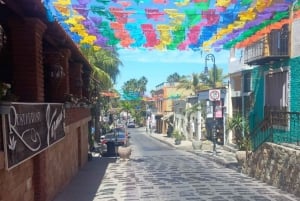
84 102
240 127
70 100
4 87
178 137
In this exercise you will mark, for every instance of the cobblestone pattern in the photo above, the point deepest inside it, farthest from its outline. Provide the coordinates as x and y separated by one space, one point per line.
276 165
178 176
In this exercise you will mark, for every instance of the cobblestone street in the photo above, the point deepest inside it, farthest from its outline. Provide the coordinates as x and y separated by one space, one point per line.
158 172
180 177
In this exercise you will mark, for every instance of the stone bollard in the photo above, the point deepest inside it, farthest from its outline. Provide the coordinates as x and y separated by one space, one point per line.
240 157
206 145
197 144
124 152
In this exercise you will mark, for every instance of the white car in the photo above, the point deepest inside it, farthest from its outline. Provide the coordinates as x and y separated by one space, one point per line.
131 124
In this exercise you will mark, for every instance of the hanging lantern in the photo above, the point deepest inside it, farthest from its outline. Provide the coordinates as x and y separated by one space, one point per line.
3 38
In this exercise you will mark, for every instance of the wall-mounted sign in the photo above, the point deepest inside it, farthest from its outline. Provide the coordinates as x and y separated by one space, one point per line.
218 109
29 129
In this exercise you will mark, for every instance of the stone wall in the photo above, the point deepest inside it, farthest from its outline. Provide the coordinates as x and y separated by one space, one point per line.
45 175
17 184
275 165
65 159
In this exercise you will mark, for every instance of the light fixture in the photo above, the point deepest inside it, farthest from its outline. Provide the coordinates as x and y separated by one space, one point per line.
56 71
211 57
3 38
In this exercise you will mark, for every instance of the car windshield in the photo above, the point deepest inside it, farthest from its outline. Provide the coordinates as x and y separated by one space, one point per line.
121 135
119 130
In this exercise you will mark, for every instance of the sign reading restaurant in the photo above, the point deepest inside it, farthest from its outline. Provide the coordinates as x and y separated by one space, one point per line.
29 128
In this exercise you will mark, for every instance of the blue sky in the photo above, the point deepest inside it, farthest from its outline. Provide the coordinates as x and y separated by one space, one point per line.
156 65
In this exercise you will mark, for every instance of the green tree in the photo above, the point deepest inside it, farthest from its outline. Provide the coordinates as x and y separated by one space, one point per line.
191 82
127 106
197 82
142 83
105 65
109 62
211 78
240 126
135 86
133 89
175 77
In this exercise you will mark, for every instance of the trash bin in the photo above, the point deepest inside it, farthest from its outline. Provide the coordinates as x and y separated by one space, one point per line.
169 131
111 151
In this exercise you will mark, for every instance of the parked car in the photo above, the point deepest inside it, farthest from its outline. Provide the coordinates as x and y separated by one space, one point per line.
103 145
119 136
100 147
131 124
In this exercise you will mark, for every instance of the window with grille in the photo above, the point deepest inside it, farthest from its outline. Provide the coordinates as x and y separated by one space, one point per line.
277 96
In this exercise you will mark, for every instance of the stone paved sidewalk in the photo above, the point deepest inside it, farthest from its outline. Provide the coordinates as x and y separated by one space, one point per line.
225 155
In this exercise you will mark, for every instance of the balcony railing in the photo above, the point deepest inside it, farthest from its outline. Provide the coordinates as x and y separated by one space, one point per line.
278 126
272 47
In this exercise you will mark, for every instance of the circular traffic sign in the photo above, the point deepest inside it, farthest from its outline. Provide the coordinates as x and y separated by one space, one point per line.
214 95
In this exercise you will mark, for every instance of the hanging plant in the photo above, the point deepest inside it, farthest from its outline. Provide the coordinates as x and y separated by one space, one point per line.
4 87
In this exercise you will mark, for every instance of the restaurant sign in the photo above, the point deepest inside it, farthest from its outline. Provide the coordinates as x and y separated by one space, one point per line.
29 129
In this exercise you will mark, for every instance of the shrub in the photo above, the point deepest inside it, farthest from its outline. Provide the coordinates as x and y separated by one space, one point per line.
177 135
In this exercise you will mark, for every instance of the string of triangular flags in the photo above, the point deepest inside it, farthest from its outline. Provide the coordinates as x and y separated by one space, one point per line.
166 24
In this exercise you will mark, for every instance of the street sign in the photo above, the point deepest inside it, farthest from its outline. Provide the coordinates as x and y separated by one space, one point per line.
214 94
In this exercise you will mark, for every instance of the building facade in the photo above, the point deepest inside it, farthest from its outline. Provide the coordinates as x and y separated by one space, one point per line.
43 143
164 97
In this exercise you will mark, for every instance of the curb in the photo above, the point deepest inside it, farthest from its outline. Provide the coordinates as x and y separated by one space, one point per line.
170 144
163 141
220 161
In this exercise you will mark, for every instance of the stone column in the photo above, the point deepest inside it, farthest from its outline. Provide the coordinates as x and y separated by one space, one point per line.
54 72
76 81
65 85
86 84
57 74
27 46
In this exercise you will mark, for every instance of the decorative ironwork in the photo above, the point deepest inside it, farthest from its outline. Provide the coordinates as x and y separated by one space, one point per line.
277 115
278 126
274 46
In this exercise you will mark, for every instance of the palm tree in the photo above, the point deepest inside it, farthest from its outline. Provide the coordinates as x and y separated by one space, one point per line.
190 82
105 65
127 106
135 87
109 62
175 77
209 80
142 83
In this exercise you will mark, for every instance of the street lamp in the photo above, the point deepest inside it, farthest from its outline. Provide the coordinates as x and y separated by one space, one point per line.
211 57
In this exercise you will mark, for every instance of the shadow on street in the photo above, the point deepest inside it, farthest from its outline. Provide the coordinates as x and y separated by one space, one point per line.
85 184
